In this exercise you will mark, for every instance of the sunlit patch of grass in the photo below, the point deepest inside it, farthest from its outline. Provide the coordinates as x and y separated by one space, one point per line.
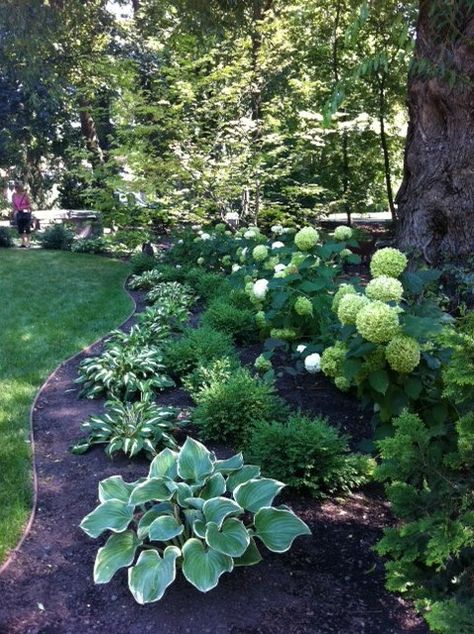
52 304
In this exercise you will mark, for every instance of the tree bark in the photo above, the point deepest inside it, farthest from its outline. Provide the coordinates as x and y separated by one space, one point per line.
385 148
436 199
89 132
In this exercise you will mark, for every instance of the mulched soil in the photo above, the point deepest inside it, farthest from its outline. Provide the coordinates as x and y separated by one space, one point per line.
331 582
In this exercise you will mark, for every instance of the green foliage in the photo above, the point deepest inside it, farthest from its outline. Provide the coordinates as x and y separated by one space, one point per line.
309 455
204 376
142 262
93 245
206 285
145 281
57 237
6 237
239 323
229 407
195 347
131 428
170 294
192 512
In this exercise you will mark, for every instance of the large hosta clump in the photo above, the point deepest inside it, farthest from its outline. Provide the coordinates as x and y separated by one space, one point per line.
192 512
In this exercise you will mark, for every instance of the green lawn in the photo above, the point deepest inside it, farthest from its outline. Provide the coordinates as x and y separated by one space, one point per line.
52 304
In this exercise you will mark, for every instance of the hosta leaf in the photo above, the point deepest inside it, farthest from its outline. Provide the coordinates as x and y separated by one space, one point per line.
164 508
164 528
159 489
214 487
217 509
194 461
151 575
278 528
250 557
203 566
243 475
231 539
230 465
199 528
257 493
183 492
111 515
118 552
164 464
114 488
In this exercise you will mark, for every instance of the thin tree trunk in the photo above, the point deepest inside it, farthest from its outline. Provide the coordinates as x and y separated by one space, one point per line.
385 148
89 132
436 199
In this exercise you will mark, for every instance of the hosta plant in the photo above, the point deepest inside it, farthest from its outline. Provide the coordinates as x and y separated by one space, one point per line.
123 372
170 292
193 512
131 428
146 281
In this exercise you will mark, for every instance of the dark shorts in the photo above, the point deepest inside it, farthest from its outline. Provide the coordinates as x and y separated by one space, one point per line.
23 223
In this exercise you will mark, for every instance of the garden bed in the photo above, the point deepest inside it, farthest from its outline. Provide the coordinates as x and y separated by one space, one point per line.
329 582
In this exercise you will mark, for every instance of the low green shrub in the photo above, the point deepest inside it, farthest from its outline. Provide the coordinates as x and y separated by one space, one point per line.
229 408
6 238
204 375
309 455
192 512
145 281
94 245
207 285
239 323
142 262
57 237
196 346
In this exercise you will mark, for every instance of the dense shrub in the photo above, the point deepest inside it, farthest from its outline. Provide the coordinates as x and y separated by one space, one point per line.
229 408
94 245
195 347
57 237
6 237
310 455
206 374
239 323
206 285
142 262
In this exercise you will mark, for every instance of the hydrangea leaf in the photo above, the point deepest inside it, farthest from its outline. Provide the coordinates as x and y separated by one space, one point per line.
152 574
118 552
256 493
111 515
231 539
194 461
278 528
202 566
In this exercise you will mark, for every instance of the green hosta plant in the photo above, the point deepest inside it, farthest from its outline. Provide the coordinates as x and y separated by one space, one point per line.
172 293
131 428
146 281
123 372
193 512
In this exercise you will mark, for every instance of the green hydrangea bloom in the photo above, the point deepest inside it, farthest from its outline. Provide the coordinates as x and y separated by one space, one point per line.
270 264
349 308
374 361
345 253
343 233
388 261
344 289
306 238
303 306
403 354
226 260
298 258
377 322
262 365
260 319
260 253
286 334
342 383
332 359
385 289
200 261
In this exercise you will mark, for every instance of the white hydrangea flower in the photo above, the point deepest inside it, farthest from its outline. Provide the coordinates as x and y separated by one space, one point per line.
205 236
278 245
235 268
260 288
301 348
279 267
196 227
180 241
277 230
250 234
312 363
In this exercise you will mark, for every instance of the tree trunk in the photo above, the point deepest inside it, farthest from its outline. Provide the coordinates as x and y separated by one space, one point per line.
385 148
89 132
436 199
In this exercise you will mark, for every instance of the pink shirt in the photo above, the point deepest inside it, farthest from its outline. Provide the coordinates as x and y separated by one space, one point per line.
21 202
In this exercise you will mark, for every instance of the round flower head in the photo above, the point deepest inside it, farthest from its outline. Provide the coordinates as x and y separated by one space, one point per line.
260 319
344 289
226 261
200 261
342 233
277 230
345 253
403 354
278 245
388 261
260 289
301 348
288 230
235 268
279 267
377 322
249 288
312 363
332 359
385 289
205 236
286 334
306 238
262 365
196 227
303 307
250 234
349 308
270 264
298 258
342 383
260 253
280 274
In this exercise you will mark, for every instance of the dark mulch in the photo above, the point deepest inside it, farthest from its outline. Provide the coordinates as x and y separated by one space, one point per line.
331 582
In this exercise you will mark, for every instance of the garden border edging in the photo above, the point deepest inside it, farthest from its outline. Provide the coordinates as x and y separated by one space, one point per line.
26 531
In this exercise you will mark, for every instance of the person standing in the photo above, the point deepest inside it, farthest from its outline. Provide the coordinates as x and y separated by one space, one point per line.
22 212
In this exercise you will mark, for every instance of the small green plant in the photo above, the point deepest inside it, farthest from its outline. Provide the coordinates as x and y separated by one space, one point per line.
123 372
237 322
145 281
192 512
131 428
205 375
195 347
57 237
229 407
94 245
142 262
310 455
6 238
175 293
206 284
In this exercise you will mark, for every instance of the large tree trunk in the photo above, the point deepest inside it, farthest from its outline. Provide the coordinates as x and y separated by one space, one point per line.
436 199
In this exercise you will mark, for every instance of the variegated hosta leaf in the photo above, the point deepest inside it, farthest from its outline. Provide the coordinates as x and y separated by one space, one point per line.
183 492
217 509
257 493
229 465
250 557
194 461
114 488
245 474
164 508
151 575
199 528
164 464
159 489
231 539
113 515
203 566
214 487
277 528
118 552
165 528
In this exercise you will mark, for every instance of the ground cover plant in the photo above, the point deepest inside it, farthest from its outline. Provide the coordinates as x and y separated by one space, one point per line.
53 305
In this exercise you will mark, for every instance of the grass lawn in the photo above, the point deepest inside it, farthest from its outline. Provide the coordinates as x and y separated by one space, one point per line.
52 304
